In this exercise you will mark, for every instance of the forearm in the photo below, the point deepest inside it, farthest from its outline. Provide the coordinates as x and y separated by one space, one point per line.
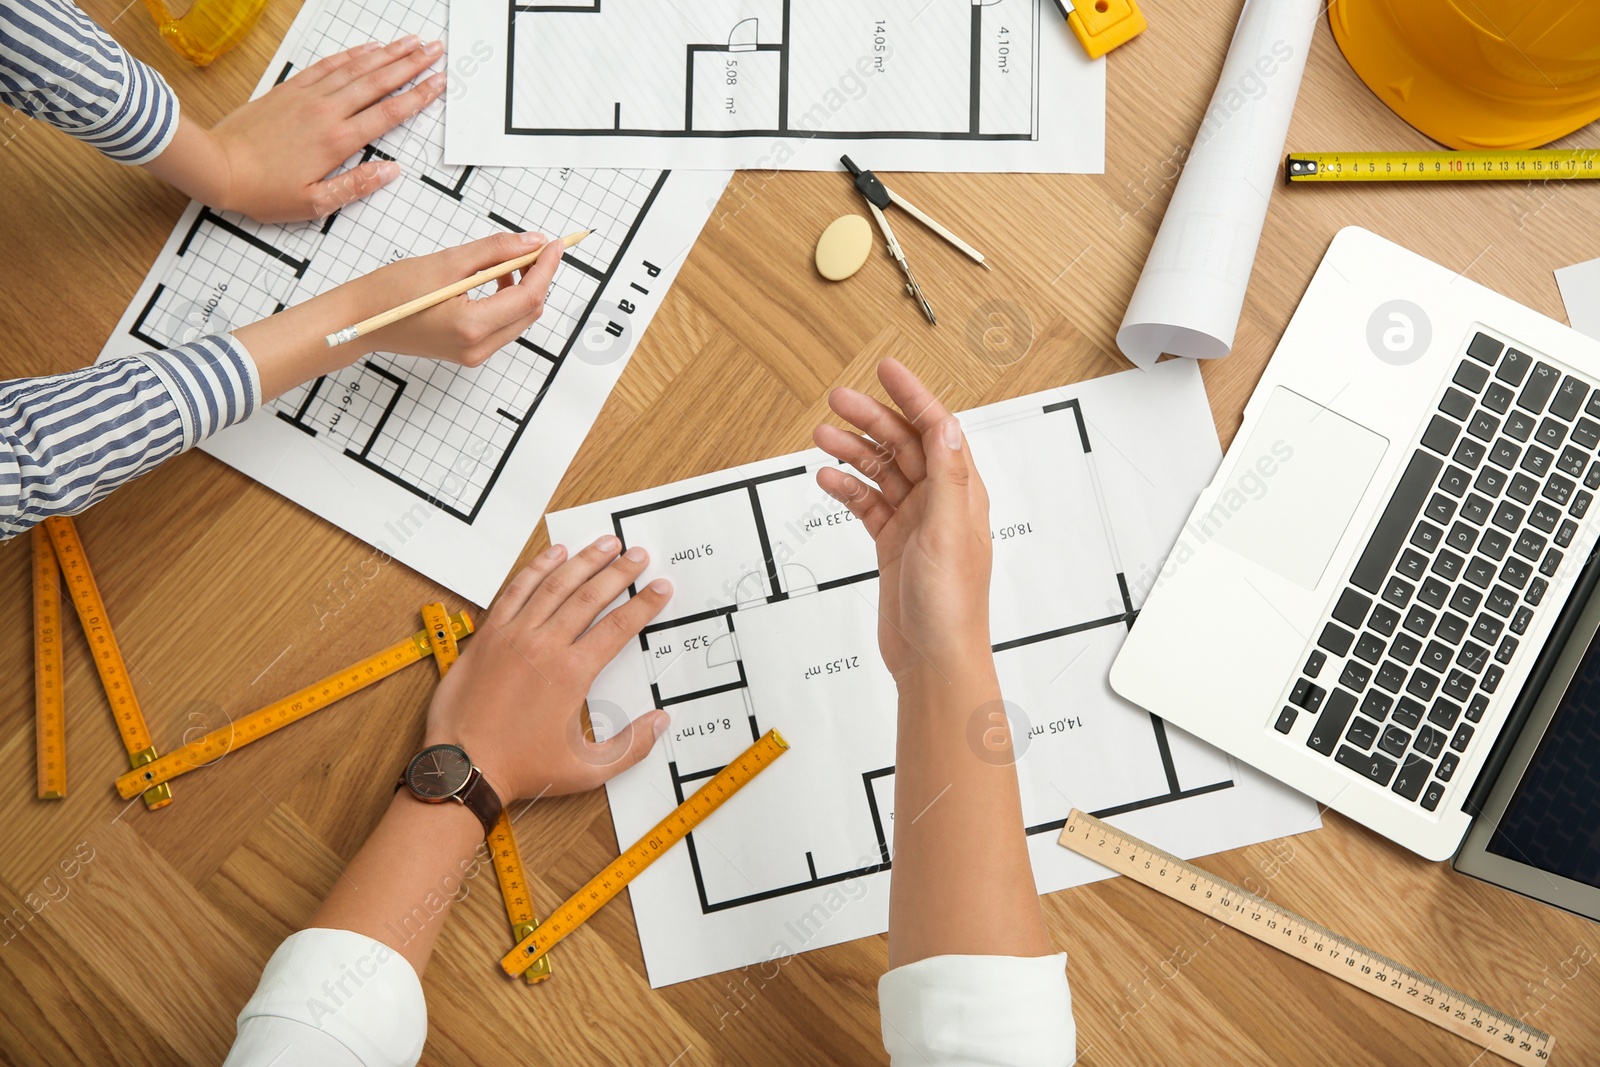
963 883
290 347
194 163
399 888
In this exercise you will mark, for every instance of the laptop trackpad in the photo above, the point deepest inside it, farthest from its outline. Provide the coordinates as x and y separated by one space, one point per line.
1293 487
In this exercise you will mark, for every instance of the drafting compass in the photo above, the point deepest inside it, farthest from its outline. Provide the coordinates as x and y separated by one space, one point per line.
880 196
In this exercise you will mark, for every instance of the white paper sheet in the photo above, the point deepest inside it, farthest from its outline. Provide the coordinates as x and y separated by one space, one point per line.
1580 292
769 85
772 624
446 469
1192 288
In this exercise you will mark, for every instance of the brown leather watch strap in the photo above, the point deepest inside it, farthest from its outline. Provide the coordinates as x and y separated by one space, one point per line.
481 799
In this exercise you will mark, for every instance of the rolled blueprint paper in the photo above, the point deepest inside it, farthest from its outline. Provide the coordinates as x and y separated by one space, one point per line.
1192 288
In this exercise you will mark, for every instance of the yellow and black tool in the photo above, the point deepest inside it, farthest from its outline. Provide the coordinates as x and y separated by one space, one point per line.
1532 165
108 661
49 703
292 708
508 869
1101 25
583 904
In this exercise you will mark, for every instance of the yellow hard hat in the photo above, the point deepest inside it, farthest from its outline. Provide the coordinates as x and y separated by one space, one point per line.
1478 74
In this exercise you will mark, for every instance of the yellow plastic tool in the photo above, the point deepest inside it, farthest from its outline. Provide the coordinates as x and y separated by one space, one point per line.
275 716
603 887
1101 25
1526 165
207 28
1496 75
508 869
108 661
49 703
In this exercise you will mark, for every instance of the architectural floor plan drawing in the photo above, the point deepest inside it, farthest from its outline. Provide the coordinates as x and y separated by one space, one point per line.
773 624
445 468
774 84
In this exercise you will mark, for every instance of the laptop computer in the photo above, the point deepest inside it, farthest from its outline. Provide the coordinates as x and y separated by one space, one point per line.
1384 560
1538 827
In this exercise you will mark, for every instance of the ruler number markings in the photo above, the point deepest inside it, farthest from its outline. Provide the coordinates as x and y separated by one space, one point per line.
1309 942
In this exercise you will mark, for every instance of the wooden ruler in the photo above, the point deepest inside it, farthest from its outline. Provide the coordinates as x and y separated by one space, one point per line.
1531 165
583 904
275 716
508 869
49 703
1305 940
74 564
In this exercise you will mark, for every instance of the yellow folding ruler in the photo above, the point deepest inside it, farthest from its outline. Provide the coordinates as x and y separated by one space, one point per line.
50 718
502 842
582 905
1502 1034
73 564
275 716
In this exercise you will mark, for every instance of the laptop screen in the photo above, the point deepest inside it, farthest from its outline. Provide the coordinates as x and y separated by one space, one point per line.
1553 819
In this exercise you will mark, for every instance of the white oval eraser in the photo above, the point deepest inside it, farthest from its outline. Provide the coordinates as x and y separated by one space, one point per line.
843 247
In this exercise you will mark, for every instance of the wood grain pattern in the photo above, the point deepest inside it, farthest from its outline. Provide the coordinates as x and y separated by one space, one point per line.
226 596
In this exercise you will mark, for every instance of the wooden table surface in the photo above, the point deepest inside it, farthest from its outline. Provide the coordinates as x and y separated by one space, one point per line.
219 590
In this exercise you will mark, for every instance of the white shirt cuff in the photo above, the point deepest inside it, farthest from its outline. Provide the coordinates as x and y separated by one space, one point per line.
334 997
977 1011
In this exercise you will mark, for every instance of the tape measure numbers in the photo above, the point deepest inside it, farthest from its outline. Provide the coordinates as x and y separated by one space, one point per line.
579 907
49 701
1537 165
275 716
74 564
1307 941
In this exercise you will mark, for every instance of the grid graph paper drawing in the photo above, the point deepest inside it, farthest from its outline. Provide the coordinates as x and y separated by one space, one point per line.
447 469
956 85
773 624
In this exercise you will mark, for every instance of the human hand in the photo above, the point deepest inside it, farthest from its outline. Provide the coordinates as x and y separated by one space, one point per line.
514 699
462 329
274 153
929 516
289 348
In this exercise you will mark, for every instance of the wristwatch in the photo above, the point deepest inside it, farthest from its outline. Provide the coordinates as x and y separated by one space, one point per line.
444 772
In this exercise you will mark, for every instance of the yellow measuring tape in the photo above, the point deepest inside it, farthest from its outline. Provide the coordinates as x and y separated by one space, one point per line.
277 715
49 702
508 869
1535 165
74 564
583 904
1305 940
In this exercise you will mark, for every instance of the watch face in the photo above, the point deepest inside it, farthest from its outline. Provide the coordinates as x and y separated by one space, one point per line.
438 772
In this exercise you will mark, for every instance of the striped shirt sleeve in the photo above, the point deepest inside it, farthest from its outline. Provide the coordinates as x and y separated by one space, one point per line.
57 65
69 439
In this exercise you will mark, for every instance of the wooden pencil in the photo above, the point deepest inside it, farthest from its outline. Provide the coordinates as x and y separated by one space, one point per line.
439 296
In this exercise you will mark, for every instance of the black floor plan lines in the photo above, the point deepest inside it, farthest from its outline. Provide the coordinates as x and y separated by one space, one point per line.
773 624
732 68
774 84
444 467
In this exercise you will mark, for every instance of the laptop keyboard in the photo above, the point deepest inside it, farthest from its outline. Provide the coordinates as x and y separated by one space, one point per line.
1454 573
